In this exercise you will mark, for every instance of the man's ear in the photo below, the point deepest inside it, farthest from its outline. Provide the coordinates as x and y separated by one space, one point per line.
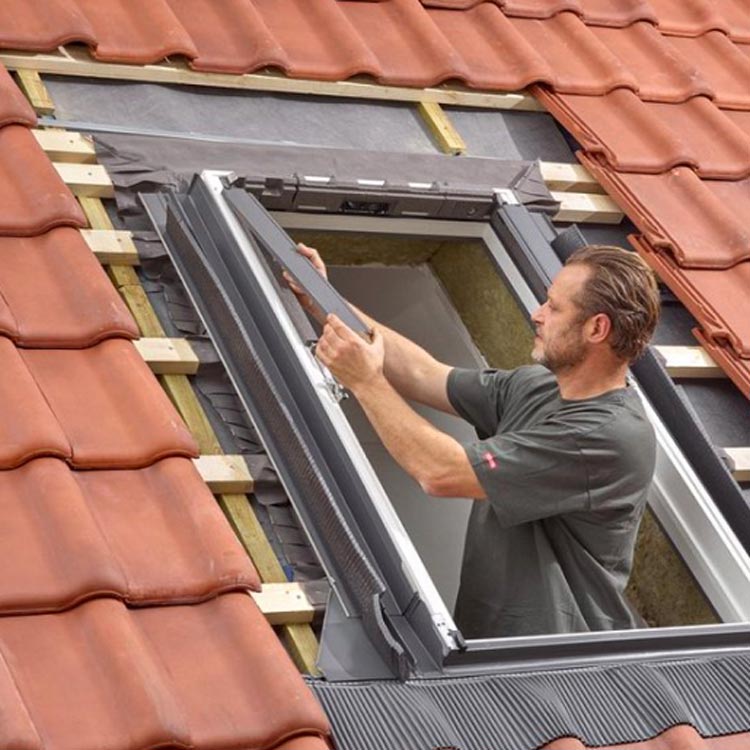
598 326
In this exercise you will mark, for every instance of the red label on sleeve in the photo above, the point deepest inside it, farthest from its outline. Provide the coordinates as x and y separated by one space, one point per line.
490 459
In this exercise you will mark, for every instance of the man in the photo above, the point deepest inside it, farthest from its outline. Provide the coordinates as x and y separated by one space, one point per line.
564 458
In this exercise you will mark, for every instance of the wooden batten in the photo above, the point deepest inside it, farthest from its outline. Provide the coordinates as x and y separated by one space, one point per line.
284 603
689 362
587 208
112 247
225 473
86 180
439 124
167 356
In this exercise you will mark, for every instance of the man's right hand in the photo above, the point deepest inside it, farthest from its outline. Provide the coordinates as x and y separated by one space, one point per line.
314 257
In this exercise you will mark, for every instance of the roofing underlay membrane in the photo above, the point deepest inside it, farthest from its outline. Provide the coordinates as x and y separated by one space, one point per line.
656 92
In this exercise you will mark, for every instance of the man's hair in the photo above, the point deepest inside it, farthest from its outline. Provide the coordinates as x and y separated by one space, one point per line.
623 287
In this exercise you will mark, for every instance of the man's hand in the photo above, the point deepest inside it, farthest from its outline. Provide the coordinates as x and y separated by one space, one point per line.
353 361
314 257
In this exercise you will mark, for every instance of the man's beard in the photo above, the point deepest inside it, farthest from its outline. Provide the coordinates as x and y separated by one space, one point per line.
563 355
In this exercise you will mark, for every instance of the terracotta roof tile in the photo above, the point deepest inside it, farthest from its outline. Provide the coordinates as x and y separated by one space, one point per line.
245 44
701 222
149 536
212 675
110 406
33 198
320 41
718 299
27 25
540 8
689 17
582 64
736 368
680 737
635 136
721 63
27 426
617 13
14 107
409 46
492 47
136 31
81 307
662 72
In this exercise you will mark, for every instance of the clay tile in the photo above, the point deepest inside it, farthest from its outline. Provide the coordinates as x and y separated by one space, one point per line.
634 136
722 64
497 54
147 536
231 674
17 730
28 427
33 198
53 554
457 4
701 222
42 25
663 74
617 13
540 8
91 679
410 48
737 15
717 299
230 37
581 63
679 737
319 41
81 307
136 31
738 371
167 533
14 106
304 742
109 405
689 17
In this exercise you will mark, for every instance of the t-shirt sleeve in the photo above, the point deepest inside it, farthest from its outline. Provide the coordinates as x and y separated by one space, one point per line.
477 396
531 474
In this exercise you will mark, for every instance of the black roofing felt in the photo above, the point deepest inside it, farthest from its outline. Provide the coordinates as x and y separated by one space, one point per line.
604 705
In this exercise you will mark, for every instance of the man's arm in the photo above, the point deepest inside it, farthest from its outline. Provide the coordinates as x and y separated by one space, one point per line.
412 371
436 460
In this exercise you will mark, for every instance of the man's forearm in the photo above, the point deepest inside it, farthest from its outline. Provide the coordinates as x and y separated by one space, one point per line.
434 459
406 363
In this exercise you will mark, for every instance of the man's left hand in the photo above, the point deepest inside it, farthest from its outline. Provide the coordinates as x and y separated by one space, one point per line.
353 361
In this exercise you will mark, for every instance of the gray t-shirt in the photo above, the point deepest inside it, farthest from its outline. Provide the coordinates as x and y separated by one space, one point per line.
550 549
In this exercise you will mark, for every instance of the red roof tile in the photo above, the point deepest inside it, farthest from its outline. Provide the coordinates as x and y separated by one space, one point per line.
718 299
690 18
699 221
617 13
109 405
582 64
136 31
491 46
319 41
736 368
81 307
26 25
722 64
14 107
27 426
244 45
33 198
635 136
662 72
150 536
212 675
681 737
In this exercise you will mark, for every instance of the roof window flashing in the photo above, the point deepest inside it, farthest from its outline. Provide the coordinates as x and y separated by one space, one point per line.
680 502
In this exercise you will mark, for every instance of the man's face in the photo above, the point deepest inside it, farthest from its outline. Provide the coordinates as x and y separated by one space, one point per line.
559 342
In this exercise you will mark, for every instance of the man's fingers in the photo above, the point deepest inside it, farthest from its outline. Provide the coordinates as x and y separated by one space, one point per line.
314 257
341 329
